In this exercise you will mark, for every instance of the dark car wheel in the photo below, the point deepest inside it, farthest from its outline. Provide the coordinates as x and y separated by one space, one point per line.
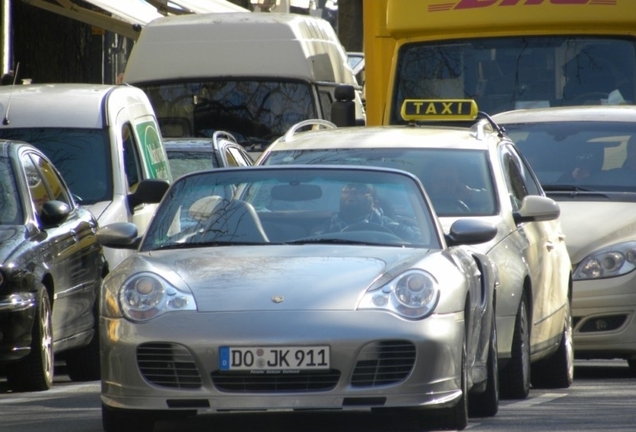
557 371
514 378
123 420
35 371
486 404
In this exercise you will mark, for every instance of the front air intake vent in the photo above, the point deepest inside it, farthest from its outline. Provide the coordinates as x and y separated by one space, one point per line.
168 365
382 363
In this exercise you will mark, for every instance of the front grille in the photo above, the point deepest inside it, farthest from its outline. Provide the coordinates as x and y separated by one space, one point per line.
168 365
274 383
382 363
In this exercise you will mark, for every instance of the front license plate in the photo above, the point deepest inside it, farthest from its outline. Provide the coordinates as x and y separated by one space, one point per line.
274 358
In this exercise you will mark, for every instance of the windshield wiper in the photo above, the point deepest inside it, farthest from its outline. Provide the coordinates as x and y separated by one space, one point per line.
337 241
567 188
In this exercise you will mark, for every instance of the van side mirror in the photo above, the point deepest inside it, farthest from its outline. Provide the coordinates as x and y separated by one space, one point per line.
343 110
149 191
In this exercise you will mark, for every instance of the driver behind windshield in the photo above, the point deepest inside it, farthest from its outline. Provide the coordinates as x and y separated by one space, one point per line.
359 204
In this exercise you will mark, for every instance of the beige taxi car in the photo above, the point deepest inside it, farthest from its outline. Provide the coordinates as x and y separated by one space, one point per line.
471 169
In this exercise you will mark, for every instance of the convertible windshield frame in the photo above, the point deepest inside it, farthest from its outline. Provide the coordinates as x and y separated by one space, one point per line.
284 205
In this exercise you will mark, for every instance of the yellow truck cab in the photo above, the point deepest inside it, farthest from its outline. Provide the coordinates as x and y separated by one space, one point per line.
253 75
505 54
105 141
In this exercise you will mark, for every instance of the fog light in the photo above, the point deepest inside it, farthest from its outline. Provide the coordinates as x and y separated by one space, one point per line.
602 323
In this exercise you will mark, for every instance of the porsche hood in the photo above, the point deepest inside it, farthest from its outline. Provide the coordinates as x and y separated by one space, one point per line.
284 277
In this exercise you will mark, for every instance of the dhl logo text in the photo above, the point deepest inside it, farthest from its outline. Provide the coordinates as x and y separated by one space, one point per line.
473 4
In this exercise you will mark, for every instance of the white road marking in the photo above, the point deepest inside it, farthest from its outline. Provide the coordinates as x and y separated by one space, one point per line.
49 394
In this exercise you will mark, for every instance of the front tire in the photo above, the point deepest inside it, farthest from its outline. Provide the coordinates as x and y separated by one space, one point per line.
557 371
35 371
486 404
514 378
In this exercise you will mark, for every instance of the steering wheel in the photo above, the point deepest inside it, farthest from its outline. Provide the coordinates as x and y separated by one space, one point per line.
366 226
577 100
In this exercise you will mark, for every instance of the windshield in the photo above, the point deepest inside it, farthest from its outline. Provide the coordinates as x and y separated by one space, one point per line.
459 182
518 72
300 205
187 161
79 154
586 155
255 111
10 204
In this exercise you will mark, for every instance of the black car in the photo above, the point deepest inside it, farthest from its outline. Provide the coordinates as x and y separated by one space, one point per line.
51 268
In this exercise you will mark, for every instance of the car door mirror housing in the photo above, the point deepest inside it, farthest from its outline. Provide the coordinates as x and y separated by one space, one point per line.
53 213
535 208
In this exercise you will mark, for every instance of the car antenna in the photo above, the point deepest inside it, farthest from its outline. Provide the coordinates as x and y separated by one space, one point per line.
5 120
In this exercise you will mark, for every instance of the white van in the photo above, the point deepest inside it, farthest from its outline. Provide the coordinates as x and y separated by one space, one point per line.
105 141
253 75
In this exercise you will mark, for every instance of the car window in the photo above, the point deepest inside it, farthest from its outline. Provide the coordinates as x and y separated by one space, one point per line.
10 205
255 206
255 111
78 154
38 191
187 161
53 183
471 168
132 164
588 155
518 177
237 157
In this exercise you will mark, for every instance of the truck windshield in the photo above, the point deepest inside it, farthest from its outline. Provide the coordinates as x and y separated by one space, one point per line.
79 154
518 72
256 112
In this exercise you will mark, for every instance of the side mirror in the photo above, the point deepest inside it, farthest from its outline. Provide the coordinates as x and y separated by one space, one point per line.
535 208
119 235
53 213
470 231
149 191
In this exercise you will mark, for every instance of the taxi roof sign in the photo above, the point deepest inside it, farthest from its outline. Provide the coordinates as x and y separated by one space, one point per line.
439 109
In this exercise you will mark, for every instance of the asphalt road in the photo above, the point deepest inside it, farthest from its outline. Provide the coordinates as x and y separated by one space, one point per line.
603 398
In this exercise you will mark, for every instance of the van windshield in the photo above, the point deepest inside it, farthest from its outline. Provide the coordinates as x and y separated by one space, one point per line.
508 73
79 154
256 112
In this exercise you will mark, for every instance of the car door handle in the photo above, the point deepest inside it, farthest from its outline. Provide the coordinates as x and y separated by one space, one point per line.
74 234
561 237
549 245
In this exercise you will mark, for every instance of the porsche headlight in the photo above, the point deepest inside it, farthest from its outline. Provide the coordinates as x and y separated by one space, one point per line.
413 295
146 295
609 262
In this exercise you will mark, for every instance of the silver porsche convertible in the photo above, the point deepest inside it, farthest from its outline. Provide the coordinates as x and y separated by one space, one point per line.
298 287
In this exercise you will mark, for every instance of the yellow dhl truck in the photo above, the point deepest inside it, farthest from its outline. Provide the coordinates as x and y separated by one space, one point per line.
505 54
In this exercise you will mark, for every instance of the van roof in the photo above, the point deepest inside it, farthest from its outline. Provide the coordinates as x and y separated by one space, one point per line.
238 44
59 105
